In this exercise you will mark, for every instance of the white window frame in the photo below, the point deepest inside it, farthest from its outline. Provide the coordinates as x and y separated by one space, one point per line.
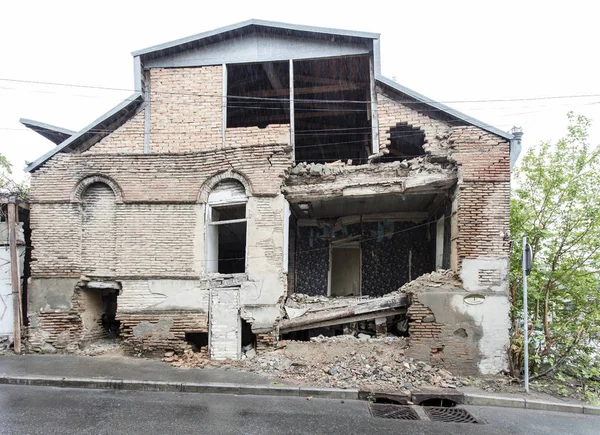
216 200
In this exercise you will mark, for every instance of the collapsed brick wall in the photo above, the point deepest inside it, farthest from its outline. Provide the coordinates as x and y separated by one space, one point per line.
265 342
186 110
127 139
155 332
483 213
390 113
64 329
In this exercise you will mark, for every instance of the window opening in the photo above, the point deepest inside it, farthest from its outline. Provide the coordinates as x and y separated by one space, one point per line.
258 94
226 228
332 113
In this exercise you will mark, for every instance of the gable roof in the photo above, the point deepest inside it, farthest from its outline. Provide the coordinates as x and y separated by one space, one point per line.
96 130
50 132
220 33
122 112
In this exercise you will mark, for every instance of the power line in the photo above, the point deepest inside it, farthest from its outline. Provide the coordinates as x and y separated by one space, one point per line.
220 96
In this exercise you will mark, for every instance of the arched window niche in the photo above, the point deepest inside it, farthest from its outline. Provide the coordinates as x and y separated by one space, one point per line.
226 228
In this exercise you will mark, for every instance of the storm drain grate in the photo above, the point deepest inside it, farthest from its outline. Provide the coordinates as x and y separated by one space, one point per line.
449 415
399 412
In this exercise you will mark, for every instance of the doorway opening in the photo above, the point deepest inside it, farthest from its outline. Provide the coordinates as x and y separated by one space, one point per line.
345 270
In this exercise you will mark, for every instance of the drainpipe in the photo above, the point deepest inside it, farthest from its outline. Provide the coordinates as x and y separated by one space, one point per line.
515 145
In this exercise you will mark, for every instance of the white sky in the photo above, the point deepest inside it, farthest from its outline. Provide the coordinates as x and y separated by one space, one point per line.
447 50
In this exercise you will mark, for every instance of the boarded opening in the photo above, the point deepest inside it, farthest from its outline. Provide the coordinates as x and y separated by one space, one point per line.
345 270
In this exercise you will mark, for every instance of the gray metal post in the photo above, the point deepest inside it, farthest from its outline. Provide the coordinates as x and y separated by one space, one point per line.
525 322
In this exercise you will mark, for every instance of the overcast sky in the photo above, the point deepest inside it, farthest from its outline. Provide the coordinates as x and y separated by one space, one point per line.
451 51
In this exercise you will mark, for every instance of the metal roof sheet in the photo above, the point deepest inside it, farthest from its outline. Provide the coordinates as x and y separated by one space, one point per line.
257 23
121 110
51 132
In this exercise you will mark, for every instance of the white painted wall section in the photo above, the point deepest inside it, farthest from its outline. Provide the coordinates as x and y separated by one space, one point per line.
224 324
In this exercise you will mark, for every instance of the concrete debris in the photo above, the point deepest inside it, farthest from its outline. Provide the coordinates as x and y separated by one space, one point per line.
103 346
292 313
439 279
322 311
347 362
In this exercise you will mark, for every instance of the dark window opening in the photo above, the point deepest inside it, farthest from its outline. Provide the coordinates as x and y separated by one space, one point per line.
227 236
109 321
406 142
258 94
232 248
248 337
332 113
198 340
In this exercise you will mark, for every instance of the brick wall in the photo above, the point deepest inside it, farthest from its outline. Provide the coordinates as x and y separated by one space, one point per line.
483 214
127 139
247 136
186 109
155 332
162 178
98 231
390 113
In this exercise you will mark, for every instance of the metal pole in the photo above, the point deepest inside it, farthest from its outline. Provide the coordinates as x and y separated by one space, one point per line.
525 322
15 277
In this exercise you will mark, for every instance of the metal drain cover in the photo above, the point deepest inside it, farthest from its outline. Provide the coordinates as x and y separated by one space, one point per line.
399 412
449 415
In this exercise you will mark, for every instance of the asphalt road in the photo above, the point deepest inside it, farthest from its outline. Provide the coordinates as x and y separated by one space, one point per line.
42 410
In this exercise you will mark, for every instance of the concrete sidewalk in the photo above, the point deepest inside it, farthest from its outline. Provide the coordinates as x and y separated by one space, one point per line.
128 373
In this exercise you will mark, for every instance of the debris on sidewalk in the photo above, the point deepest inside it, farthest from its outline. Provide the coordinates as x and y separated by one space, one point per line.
348 362
339 362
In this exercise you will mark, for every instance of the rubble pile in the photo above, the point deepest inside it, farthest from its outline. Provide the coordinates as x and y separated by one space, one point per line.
439 278
348 362
190 358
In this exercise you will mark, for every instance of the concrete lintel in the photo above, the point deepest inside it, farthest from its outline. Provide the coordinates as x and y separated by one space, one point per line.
103 285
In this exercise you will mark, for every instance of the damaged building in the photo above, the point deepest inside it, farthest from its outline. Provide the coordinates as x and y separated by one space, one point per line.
266 181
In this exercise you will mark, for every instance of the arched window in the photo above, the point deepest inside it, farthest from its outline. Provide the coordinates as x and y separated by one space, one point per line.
226 227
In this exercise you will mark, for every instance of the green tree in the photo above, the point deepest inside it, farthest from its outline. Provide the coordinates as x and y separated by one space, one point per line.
556 204
8 187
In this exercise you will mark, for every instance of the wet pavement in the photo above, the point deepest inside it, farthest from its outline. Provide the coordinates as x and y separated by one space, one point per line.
121 367
45 410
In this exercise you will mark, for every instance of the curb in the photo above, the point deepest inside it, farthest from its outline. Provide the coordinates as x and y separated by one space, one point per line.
273 390
180 387
506 402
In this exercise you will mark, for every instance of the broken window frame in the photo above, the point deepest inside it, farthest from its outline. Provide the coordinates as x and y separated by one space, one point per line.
222 199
